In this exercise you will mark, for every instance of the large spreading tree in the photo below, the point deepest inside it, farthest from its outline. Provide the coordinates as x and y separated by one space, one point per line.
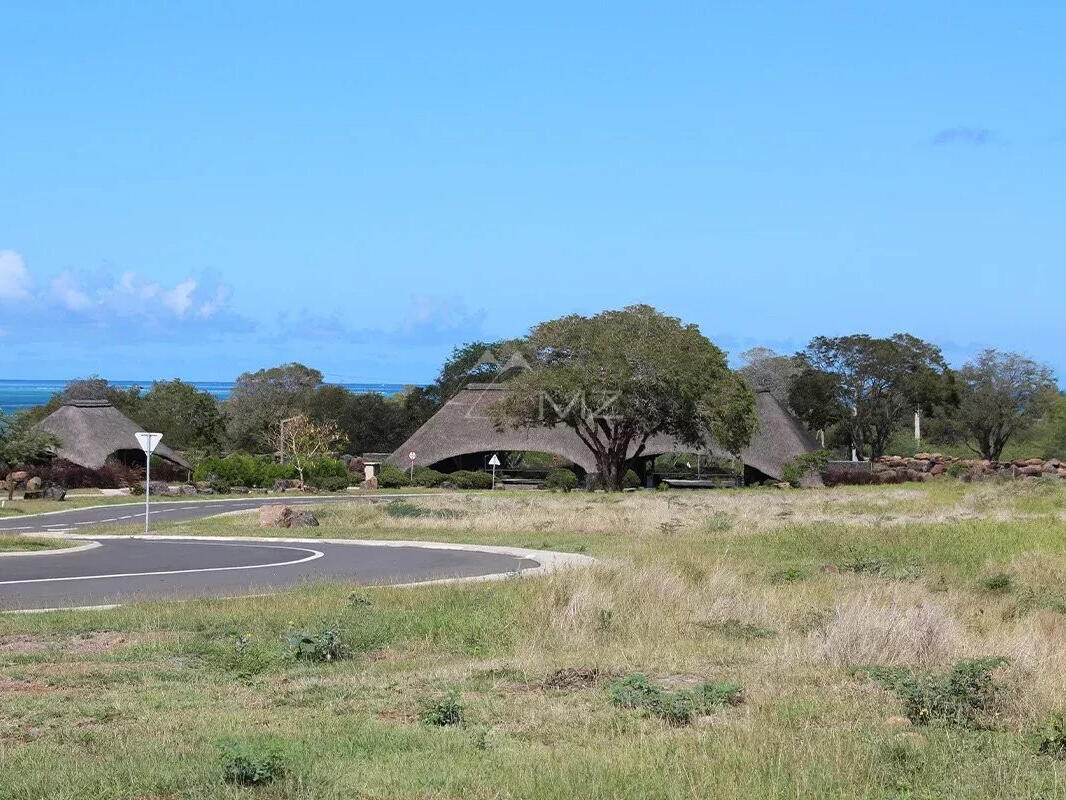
1000 396
621 377
871 385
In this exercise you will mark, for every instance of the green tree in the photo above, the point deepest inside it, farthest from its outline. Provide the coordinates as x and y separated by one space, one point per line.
304 440
261 399
369 423
880 382
1002 395
22 443
127 400
621 377
187 417
767 371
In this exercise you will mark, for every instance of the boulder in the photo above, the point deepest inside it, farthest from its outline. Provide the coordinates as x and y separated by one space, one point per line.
186 489
1031 471
35 494
278 516
938 469
239 489
370 483
55 492
283 484
33 484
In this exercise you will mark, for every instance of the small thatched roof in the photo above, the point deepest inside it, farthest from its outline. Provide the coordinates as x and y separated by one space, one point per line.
464 425
91 430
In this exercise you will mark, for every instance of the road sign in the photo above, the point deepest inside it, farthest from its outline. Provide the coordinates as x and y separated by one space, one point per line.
148 442
494 462
412 455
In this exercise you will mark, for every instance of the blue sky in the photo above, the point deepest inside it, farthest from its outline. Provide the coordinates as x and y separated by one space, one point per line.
198 189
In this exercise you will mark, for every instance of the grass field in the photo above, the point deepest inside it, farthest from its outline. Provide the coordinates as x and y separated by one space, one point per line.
784 594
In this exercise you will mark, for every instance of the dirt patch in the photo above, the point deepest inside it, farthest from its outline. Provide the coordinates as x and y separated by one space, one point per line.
16 685
571 678
79 644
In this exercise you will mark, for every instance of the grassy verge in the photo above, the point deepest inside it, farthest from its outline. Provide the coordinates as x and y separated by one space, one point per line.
11 544
755 619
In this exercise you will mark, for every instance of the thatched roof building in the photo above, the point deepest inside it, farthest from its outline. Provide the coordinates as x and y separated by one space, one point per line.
91 431
464 426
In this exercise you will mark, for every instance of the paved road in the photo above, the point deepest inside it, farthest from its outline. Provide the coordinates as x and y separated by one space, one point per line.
126 569
159 510
123 569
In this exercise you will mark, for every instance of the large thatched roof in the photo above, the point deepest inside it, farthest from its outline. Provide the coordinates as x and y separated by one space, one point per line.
91 430
464 425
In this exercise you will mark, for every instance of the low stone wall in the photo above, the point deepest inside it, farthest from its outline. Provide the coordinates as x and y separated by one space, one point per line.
926 466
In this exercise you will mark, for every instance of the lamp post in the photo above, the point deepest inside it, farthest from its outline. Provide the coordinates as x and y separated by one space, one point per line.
148 443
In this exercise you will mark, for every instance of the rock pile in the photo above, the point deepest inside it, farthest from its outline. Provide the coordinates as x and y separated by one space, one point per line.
277 516
926 466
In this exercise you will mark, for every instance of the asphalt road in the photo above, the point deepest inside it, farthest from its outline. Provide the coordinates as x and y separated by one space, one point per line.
124 569
159 510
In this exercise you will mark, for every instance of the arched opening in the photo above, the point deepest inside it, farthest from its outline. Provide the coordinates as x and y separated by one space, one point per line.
688 470
518 468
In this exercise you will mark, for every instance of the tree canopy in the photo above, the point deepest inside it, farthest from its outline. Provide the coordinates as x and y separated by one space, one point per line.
261 399
620 377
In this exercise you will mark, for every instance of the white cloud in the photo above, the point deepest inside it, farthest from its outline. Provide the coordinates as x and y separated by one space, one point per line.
66 289
15 281
179 298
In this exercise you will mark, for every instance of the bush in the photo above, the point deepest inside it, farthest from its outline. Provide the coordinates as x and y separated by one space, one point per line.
958 697
1051 740
324 646
563 480
424 476
442 711
248 764
112 475
391 477
1000 582
241 469
794 470
325 473
630 480
469 479
403 510
677 708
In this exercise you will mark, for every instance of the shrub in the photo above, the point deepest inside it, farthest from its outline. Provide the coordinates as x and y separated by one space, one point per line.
326 471
319 647
1000 582
677 708
630 480
957 697
330 483
789 575
241 469
391 477
793 471
250 764
470 479
442 711
719 522
1051 739
738 629
403 510
563 480
958 469
424 476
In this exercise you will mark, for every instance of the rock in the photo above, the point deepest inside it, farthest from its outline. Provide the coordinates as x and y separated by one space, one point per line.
36 494
33 484
370 483
1031 471
201 485
205 490
186 489
1035 462
239 489
303 519
159 488
938 469
55 492
278 516
923 456
282 484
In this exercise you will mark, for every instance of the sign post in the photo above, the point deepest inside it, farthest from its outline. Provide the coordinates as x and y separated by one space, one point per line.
494 462
148 443
412 455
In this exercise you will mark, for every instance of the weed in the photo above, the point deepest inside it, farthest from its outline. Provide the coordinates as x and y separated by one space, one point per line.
789 575
605 617
738 629
958 697
883 568
442 711
1000 582
359 600
317 647
250 764
400 509
676 708
1051 739
719 523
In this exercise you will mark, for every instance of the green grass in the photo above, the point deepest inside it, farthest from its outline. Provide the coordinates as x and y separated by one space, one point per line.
11 544
134 702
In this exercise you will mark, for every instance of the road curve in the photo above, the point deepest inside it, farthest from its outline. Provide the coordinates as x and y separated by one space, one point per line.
163 511
125 569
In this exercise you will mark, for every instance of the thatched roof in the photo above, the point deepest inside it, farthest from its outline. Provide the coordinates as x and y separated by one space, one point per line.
91 430
464 425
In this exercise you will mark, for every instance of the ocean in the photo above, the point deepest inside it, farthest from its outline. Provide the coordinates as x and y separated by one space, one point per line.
16 395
